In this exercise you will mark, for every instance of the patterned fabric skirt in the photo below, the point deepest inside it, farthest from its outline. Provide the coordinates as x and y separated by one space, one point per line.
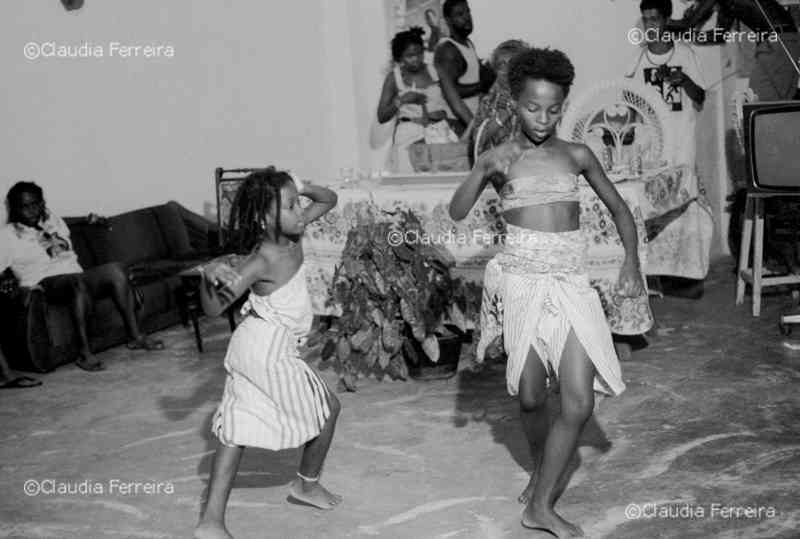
546 293
272 398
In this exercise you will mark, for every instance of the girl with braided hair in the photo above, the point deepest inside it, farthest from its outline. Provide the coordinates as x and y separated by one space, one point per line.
272 398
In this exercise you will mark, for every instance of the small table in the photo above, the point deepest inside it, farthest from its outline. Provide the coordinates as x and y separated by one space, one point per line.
189 297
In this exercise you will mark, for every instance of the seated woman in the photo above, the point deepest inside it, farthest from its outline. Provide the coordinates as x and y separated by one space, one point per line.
36 246
411 93
495 120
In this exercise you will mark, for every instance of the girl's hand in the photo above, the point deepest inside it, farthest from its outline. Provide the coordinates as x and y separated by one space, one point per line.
500 158
298 183
630 283
413 98
220 275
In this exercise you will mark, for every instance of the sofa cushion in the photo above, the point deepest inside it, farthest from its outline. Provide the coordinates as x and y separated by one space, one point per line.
173 230
133 237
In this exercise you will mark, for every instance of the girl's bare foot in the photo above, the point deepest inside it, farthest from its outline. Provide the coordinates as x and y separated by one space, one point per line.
211 530
545 518
312 493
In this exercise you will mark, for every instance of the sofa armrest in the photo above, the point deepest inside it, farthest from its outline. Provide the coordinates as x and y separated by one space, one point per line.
9 286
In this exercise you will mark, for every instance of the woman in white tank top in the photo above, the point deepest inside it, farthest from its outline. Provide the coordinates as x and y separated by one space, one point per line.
410 94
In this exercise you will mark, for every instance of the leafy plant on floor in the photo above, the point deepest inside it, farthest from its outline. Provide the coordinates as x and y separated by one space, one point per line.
391 287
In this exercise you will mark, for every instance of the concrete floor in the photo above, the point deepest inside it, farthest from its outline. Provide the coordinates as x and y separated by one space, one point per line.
709 421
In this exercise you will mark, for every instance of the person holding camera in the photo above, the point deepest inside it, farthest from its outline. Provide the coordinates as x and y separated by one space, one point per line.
771 62
672 68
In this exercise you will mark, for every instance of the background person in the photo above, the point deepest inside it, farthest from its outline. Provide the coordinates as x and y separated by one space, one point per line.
462 76
36 246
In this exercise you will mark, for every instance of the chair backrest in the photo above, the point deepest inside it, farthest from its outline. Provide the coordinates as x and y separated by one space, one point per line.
226 185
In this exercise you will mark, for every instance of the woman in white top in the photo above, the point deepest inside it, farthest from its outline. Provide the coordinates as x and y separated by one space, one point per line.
412 95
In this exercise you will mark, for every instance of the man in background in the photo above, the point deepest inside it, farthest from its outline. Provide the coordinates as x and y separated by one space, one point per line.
462 76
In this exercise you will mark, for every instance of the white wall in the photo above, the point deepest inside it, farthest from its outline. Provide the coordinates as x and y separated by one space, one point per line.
247 86
290 83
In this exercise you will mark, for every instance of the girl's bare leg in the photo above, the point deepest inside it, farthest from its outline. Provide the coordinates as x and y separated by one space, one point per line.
576 376
314 453
534 415
223 472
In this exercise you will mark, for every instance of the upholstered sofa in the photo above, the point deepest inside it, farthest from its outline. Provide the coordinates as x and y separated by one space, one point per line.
153 244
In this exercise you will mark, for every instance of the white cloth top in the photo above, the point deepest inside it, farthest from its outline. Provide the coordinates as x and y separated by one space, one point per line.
34 254
684 113
289 305
473 73
436 100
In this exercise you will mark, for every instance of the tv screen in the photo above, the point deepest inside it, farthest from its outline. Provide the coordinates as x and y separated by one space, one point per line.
772 146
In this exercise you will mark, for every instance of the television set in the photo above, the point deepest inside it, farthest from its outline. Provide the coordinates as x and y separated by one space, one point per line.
772 146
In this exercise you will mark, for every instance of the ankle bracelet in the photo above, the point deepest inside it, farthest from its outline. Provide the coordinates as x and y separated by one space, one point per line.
307 479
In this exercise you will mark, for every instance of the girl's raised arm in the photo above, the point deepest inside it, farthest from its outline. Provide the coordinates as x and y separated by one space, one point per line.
323 200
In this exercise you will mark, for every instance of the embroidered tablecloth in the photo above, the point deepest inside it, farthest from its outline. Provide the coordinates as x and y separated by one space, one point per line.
679 245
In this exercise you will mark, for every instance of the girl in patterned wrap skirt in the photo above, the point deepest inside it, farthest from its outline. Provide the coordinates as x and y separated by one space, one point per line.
553 321
272 398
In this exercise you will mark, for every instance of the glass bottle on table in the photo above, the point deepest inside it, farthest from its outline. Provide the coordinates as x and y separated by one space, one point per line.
346 177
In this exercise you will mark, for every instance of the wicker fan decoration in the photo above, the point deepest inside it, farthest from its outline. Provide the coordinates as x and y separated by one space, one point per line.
621 120
742 94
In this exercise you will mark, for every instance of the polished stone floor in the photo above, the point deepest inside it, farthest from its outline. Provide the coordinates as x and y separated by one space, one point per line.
704 443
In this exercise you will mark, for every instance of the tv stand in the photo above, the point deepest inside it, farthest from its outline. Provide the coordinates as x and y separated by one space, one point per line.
754 219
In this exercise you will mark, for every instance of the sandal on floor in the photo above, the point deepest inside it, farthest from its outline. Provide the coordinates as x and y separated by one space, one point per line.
144 343
95 367
21 382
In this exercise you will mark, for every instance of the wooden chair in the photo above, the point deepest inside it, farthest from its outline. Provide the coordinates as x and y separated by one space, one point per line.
226 184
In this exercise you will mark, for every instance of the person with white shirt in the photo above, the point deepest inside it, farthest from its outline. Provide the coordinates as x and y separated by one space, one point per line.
772 64
672 68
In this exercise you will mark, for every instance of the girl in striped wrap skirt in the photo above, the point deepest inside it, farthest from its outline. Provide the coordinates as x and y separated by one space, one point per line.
553 322
272 398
